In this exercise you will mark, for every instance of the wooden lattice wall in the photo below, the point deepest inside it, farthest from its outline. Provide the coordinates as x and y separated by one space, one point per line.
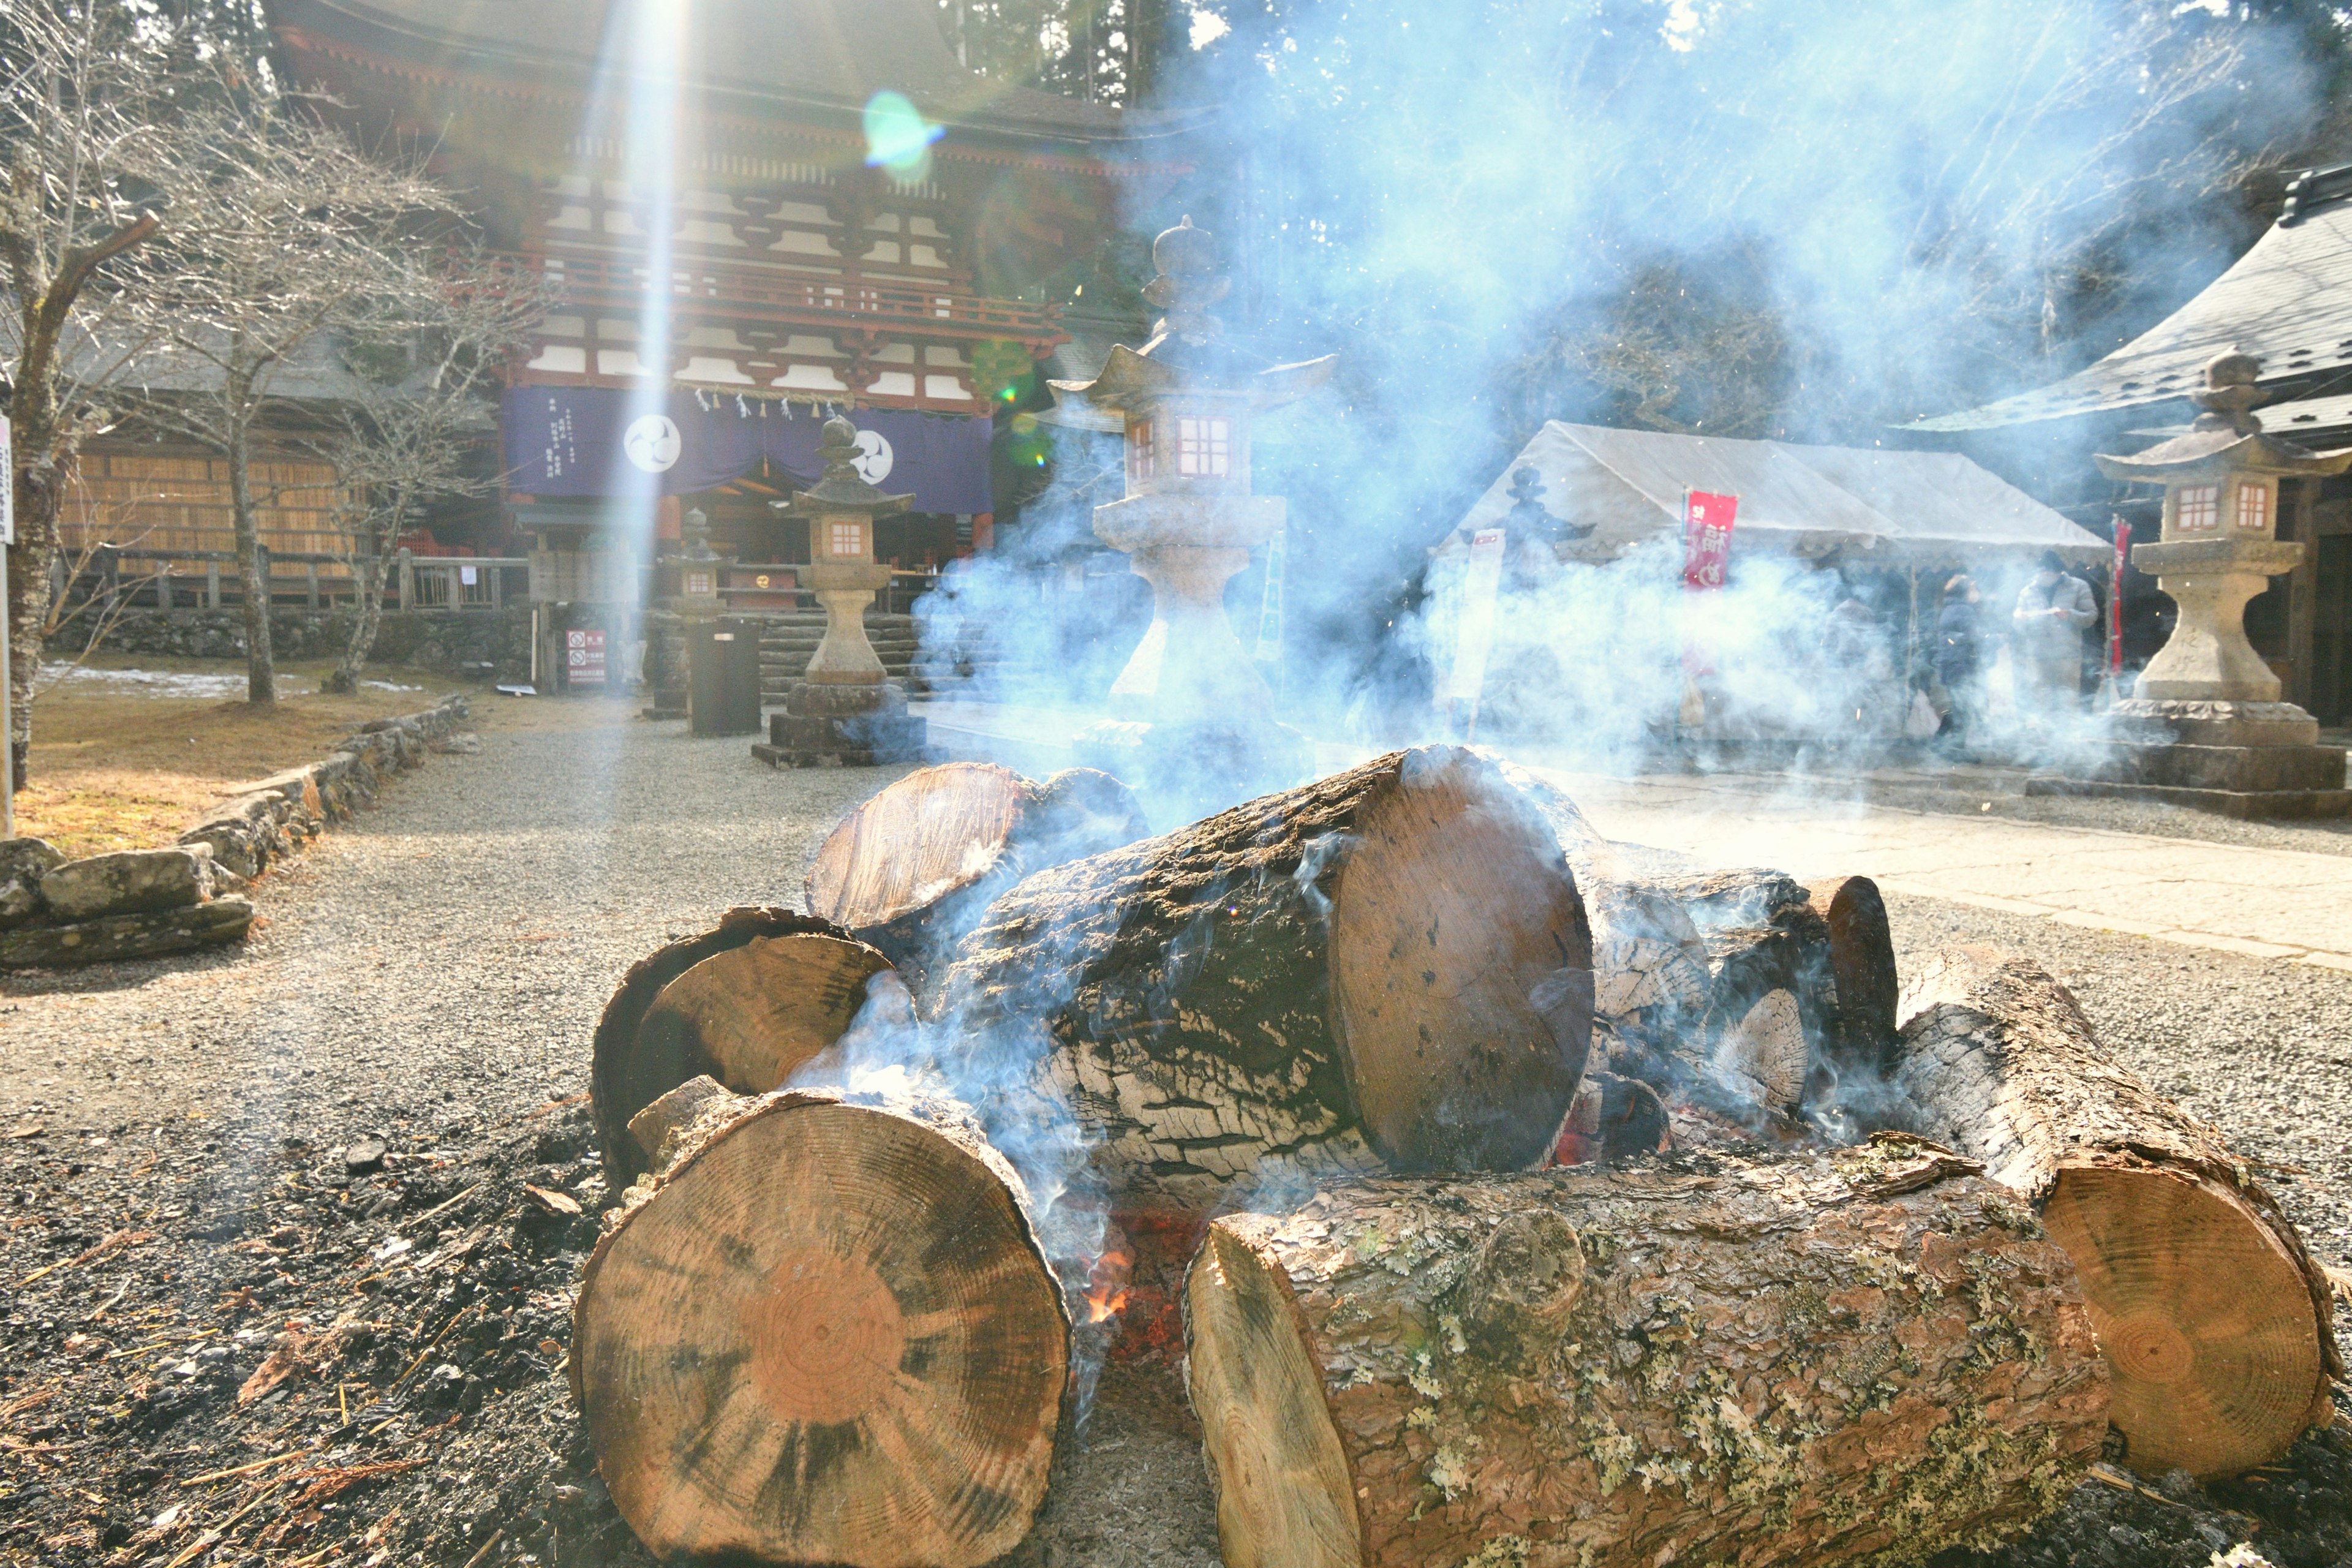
159 498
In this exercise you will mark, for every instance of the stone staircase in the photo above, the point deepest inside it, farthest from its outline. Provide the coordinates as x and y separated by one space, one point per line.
788 641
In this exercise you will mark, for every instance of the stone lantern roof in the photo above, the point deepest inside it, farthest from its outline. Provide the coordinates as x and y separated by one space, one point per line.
843 488
1189 351
2226 437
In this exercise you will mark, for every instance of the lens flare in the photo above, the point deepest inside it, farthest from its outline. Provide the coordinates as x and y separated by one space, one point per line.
898 138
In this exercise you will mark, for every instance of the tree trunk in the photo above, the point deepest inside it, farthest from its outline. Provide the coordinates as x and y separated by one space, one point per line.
1804 1359
260 666
39 494
367 617
1390 963
2214 1319
824 1333
911 869
629 1072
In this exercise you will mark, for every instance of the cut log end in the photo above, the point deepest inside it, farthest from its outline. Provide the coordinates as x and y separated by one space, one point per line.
759 1013
936 831
2206 1321
1461 965
1283 1497
825 1335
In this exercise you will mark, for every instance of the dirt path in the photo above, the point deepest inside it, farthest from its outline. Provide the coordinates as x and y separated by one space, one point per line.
453 944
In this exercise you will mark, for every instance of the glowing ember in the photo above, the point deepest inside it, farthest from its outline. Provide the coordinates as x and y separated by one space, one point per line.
1106 1282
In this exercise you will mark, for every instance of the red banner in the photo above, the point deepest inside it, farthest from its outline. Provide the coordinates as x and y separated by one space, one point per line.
2116 599
1706 551
1707 538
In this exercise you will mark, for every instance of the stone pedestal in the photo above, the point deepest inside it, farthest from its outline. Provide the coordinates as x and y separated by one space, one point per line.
2208 659
829 725
2241 759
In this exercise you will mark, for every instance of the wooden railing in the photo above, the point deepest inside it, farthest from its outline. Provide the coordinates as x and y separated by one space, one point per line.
617 282
119 576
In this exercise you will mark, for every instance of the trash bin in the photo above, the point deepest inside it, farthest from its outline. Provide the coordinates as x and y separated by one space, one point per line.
723 678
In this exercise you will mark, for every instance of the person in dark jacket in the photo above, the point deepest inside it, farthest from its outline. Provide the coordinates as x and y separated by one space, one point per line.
1960 659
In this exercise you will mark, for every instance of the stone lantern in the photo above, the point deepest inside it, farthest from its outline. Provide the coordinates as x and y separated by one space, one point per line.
845 709
1191 703
2206 715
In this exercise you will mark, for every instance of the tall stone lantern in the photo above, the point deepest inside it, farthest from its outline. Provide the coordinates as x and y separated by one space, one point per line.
845 709
2206 715
1192 716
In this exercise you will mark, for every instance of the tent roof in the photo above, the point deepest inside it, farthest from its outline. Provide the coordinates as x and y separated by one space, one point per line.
1807 501
2288 302
832 54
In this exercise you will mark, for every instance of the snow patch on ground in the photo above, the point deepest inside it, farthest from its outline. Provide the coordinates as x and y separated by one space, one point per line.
185 684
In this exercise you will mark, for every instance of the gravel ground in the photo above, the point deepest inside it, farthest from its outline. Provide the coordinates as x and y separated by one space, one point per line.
173 1141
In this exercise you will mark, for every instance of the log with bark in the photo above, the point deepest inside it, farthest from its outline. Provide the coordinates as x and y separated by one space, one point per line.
824 1332
743 1020
913 868
1799 1359
2214 1319
1651 983
1391 964
1862 965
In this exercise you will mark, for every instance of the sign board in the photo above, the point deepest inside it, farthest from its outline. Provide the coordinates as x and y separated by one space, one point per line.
1706 552
1474 632
583 657
7 485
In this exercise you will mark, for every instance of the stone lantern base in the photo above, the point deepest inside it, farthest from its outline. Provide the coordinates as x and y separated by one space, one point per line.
2241 759
828 725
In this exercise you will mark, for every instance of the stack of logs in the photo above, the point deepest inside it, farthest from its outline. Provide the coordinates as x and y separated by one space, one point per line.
1541 1205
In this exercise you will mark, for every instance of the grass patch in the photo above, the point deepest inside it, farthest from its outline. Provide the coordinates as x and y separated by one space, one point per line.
117 767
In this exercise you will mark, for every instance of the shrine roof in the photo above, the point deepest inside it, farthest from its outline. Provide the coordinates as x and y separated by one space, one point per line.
752 56
2288 302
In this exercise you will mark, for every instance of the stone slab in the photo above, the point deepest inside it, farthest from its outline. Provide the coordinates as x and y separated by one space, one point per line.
129 881
149 934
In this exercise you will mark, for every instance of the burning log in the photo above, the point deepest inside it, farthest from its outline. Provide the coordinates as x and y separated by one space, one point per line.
1389 962
2213 1318
1771 1009
759 1005
824 1332
913 866
1650 980
1801 1358
1861 963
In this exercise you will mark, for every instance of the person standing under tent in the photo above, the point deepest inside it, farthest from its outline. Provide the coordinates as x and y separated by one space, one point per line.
1959 660
2046 642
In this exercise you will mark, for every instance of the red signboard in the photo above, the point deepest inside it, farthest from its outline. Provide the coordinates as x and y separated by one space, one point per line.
1707 550
1707 538
583 658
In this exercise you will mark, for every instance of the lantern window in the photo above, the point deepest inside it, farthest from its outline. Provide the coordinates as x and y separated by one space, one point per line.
848 539
2254 505
1204 448
1140 464
2198 509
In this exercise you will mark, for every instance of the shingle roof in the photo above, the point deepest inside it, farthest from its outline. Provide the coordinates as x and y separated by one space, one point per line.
2288 302
835 53
1809 500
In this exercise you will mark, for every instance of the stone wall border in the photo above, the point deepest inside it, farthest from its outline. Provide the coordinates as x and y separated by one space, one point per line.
145 903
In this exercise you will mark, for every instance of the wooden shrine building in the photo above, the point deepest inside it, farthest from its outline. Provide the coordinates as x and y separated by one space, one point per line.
801 278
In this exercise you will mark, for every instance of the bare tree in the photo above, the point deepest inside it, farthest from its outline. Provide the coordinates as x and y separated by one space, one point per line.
293 233
83 138
430 356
